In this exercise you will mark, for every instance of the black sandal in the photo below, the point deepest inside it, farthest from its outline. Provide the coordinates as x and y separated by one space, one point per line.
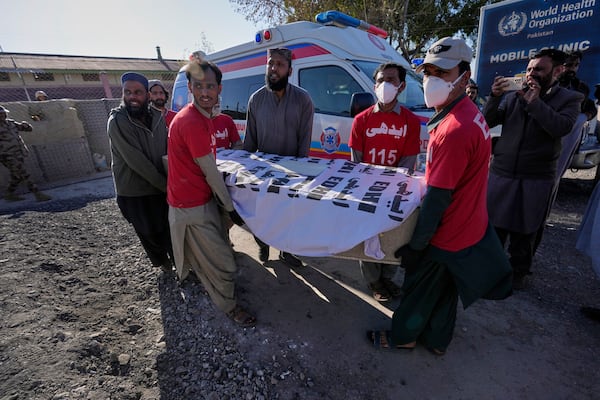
241 317
383 340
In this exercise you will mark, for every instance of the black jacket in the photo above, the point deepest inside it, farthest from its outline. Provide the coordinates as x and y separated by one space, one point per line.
530 143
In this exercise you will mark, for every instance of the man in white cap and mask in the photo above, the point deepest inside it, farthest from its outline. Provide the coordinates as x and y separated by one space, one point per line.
453 251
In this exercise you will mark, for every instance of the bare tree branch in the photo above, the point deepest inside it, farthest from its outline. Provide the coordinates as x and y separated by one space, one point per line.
411 24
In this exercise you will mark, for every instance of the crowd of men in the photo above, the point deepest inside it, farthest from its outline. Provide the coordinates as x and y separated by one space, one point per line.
479 223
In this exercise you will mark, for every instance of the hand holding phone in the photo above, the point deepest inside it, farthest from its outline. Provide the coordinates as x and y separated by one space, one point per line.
513 83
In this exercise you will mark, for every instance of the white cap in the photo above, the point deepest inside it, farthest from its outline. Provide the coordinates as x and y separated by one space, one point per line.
447 53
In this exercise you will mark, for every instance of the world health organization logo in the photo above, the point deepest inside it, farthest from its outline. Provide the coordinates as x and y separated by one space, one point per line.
512 24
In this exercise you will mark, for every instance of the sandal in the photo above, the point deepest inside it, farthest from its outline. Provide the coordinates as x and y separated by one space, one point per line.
436 352
241 317
395 290
380 293
383 340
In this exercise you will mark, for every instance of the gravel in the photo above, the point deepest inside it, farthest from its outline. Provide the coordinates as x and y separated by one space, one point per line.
85 316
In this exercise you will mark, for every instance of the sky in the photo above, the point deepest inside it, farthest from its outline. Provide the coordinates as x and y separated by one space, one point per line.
121 28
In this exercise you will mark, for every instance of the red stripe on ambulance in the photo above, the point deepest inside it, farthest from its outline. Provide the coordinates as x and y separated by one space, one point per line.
304 50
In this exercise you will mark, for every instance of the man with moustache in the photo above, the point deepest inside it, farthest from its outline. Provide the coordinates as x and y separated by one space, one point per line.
569 79
159 96
524 163
195 185
279 121
138 141
570 143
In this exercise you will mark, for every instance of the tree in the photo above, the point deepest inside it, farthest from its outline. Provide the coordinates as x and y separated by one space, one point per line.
412 25
204 45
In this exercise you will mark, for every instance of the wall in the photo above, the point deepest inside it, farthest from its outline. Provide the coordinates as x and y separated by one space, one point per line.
68 142
69 85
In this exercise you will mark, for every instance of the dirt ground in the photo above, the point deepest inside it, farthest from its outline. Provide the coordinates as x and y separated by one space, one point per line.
84 316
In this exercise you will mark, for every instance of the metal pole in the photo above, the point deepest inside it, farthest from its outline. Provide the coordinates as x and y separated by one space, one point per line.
106 85
18 74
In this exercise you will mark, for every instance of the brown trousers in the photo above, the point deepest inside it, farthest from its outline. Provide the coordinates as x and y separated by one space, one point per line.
198 241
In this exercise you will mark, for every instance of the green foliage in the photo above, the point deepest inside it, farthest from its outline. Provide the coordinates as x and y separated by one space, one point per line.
412 25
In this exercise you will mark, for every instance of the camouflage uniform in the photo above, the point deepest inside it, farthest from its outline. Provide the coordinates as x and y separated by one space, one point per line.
12 155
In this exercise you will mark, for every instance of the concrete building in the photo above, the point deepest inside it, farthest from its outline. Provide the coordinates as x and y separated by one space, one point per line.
75 77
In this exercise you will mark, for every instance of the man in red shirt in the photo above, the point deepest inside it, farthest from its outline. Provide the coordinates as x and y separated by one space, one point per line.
385 134
453 251
226 133
193 183
158 99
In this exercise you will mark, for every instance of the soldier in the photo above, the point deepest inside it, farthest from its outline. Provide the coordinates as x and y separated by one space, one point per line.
12 155
40 95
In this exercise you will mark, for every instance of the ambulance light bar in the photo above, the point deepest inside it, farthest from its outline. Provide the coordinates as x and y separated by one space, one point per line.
341 19
261 36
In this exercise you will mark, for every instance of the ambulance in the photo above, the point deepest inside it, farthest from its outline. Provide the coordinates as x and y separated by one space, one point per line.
333 60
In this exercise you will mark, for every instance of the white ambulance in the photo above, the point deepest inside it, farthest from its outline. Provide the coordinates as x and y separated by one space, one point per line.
333 60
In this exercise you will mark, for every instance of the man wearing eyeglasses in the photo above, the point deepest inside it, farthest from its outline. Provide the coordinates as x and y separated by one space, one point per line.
568 79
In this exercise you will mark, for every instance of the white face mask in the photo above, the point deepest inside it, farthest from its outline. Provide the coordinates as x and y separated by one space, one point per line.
437 90
386 92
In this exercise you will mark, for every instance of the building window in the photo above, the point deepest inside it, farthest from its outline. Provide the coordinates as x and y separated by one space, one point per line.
90 77
4 77
43 76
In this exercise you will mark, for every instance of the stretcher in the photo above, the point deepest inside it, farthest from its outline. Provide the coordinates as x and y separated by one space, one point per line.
324 208
390 241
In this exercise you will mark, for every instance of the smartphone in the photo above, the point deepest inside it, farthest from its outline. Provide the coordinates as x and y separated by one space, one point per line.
514 83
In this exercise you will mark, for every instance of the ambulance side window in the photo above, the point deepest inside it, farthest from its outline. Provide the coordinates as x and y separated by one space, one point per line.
236 92
330 88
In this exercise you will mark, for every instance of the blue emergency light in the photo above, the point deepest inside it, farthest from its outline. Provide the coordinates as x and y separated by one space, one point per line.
417 61
263 35
341 19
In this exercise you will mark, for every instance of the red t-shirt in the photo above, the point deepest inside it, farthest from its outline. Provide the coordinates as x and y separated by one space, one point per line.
169 115
191 135
384 138
226 132
458 156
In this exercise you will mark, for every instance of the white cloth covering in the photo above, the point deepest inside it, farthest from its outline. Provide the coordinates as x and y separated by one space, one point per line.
317 207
